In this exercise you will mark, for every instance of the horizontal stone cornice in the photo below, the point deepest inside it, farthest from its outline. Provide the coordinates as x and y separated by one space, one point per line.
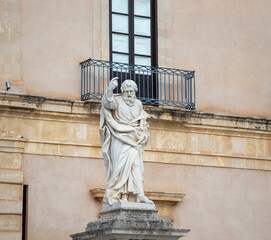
48 105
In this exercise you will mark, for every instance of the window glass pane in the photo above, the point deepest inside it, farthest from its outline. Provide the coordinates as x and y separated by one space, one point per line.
120 6
120 43
119 23
122 58
142 45
146 61
142 26
142 7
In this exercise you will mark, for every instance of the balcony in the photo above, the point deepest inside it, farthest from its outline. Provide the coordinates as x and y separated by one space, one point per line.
156 86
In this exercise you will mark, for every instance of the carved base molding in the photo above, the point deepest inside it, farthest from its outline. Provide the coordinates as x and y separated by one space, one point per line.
130 221
164 201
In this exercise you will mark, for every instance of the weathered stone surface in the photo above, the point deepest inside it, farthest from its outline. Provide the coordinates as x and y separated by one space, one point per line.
130 221
7 176
10 236
10 191
10 223
10 207
10 23
177 136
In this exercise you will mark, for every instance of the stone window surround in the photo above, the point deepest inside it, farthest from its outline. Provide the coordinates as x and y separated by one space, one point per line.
100 31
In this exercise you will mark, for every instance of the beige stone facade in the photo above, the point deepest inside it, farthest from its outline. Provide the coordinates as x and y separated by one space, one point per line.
210 172
10 43
11 186
62 154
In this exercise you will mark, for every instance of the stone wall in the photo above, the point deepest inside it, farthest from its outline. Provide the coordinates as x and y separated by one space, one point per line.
43 42
59 143
10 44
178 136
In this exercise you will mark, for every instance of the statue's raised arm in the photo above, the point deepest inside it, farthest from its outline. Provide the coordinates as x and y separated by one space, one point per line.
124 133
108 100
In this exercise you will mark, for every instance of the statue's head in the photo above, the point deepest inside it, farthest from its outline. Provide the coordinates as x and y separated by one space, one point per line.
129 89
128 84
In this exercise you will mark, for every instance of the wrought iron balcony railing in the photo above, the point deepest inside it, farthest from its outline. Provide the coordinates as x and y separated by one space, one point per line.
156 86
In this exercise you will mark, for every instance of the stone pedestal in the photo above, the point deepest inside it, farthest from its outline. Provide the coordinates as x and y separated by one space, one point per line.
130 221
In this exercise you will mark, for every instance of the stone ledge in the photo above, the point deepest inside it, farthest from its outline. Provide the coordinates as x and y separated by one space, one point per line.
164 201
43 104
128 206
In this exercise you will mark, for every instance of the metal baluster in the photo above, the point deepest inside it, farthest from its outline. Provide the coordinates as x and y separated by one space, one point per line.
156 88
87 80
190 91
117 75
165 90
126 72
82 82
178 99
152 84
194 90
173 86
94 82
143 78
134 68
99 80
182 87
103 78
160 97
90 66
148 84
121 80
185 84
169 87
108 74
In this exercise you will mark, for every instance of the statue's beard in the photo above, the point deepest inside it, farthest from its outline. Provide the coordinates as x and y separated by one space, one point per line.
129 100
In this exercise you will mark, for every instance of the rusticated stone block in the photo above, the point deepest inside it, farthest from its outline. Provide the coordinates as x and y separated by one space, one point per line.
10 222
7 176
10 207
10 191
10 236
10 160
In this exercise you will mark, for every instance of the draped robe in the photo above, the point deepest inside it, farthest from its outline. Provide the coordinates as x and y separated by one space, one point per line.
122 128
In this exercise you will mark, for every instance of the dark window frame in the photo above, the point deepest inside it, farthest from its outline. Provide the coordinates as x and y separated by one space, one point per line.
153 35
25 212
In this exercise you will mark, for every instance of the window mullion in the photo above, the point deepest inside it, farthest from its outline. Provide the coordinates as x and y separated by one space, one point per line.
154 37
131 31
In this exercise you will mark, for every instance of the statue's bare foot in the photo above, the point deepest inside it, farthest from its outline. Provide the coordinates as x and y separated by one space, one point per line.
143 199
124 198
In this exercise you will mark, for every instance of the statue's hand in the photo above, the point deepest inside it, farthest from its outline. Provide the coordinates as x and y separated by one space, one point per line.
113 83
144 140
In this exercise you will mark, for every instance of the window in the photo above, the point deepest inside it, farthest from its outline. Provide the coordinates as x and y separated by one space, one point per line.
133 32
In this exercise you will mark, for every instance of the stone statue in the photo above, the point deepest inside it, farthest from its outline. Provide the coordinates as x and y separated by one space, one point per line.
123 130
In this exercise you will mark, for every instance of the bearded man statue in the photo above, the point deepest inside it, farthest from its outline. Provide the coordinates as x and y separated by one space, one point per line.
123 130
